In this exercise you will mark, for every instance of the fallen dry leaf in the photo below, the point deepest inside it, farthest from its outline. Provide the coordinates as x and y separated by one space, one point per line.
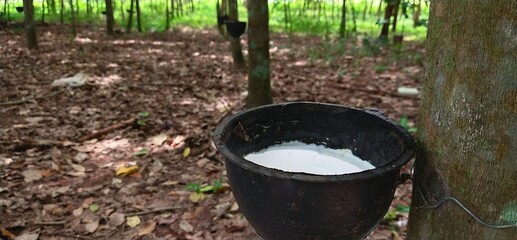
185 226
28 236
196 197
78 167
116 219
133 221
147 228
32 175
186 152
91 227
158 139
124 171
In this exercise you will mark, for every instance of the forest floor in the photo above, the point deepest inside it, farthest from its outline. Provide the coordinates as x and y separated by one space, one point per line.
128 154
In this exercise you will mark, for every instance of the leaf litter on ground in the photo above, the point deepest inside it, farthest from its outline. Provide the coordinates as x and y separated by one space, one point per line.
176 104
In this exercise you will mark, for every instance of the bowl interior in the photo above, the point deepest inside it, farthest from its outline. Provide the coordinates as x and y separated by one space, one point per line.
371 136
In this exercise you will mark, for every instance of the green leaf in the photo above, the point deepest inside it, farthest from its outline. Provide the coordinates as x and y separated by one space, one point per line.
390 215
94 207
194 187
143 114
206 189
218 184
142 152
404 122
402 208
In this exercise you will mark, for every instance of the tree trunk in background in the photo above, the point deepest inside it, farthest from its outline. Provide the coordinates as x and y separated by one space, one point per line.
74 21
468 123
172 9
110 20
235 43
388 11
122 10
138 16
62 11
259 85
30 26
130 18
342 26
43 11
395 15
416 14
167 15
53 6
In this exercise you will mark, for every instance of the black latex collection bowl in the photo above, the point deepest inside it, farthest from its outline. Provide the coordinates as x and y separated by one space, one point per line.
235 28
287 205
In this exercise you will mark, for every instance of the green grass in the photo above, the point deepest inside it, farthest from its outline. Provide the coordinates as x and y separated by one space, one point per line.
323 21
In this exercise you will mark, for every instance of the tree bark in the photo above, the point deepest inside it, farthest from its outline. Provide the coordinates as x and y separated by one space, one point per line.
259 85
468 123
74 21
388 11
110 20
130 18
342 25
167 16
235 43
395 15
30 26
138 16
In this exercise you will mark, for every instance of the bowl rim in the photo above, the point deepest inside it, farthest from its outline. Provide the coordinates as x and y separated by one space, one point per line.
393 165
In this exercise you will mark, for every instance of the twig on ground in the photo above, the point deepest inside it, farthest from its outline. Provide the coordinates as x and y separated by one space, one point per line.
160 209
50 223
76 236
30 99
224 211
107 130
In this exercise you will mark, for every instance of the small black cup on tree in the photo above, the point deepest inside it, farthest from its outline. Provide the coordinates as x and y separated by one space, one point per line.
19 9
235 28
222 19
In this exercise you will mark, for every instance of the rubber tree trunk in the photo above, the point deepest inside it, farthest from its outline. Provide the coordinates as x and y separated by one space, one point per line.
130 18
74 19
468 122
388 12
235 43
259 85
138 16
30 25
110 20
342 25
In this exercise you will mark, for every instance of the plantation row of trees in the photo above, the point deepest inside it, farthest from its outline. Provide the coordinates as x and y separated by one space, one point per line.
339 17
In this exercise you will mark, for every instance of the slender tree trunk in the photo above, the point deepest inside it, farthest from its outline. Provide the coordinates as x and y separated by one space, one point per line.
388 11
30 26
172 9
122 10
395 15
130 18
74 21
235 43
354 17
110 20
43 11
259 83
167 15
342 26
468 123
416 14
138 16
62 11
77 9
